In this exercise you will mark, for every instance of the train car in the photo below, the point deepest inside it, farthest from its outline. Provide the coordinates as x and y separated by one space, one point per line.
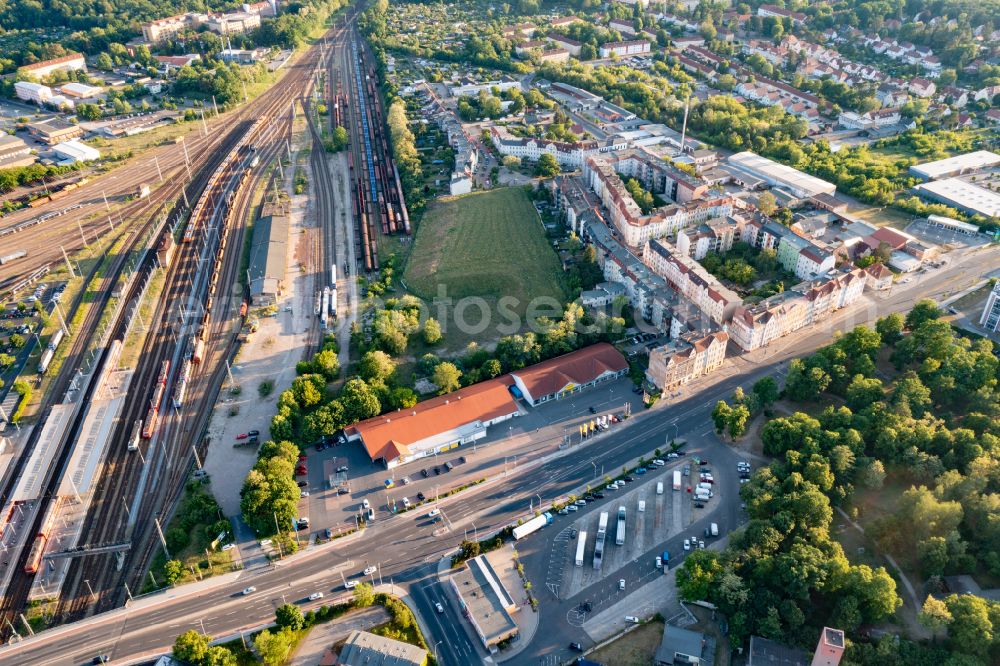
150 423
243 309
157 398
199 351
45 360
55 339
35 554
164 372
180 389
186 371
333 275
333 302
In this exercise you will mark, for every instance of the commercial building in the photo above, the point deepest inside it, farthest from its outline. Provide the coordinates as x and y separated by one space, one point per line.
71 152
234 23
570 373
485 602
54 130
991 313
758 325
80 90
29 91
684 359
951 224
365 649
67 63
799 185
690 279
956 166
268 250
435 425
963 195
14 152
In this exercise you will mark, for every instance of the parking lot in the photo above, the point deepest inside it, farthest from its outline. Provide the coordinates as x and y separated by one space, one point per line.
941 236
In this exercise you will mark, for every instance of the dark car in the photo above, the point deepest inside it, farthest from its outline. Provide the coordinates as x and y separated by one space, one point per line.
576 647
303 484
599 495
587 606
629 479
437 470
343 491
424 473
699 505
102 659
421 497
592 410
254 433
461 461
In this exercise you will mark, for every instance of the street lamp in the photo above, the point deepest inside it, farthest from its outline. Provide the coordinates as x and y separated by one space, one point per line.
436 650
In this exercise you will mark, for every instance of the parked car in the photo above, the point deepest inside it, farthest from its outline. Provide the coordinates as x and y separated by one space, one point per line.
621 583
576 647
315 596
370 569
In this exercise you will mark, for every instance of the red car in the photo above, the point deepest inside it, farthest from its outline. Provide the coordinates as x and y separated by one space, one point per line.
303 458
301 470
242 435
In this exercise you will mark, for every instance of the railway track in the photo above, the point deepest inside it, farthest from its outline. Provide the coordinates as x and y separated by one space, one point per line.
168 466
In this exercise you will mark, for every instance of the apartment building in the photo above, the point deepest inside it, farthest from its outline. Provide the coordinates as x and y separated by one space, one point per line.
622 49
686 358
571 45
758 325
163 29
67 63
712 236
690 280
796 254
234 23
780 12
570 155
33 92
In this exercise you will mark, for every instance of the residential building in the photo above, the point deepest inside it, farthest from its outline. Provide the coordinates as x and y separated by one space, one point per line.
758 325
521 29
602 295
712 236
67 63
568 374
798 184
879 277
164 29
467 88
485 601
569 155
956 166
554 55
796 254
71 152
921 87
869 120
891 96
780 12
29 91
990 320
622 49
268 253
233 23
690 279
526 48
571 45
564 21
683 646
764 652
176 62
365 649
686 358
54 130
622 26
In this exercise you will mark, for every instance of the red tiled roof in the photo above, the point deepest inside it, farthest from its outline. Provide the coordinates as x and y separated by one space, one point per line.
579 367
390 435
54 61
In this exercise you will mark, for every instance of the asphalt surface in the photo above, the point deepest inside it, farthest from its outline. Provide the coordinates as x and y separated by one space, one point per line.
407 548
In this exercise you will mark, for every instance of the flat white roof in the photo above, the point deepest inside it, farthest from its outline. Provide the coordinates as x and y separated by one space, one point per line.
952 223
964 195
781 174
76 150
979 159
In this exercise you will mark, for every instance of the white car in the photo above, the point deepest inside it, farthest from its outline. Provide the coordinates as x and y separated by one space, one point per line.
365 504
438 607
659 463
621 583
673 454
687 544
315 596
632 618
572 507
434 512
350 585
369 570
249 590
406 480
304 493
406 502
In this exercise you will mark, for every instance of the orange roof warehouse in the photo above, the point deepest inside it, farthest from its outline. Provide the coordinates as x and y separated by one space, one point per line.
448 421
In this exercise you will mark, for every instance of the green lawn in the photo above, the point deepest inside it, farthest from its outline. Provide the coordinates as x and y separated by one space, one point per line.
488 245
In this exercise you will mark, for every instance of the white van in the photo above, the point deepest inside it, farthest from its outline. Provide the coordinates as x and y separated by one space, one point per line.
715 529
659 487
642 506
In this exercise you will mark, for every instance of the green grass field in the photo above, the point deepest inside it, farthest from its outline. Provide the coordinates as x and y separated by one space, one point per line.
486 244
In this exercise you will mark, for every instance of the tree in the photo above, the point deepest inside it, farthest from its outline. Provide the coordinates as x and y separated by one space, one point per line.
491 369
17 340
432 332
805 383
289 615
970 630
736 424
340 139
191 647
172 571
924 310
327 364
935 614
6 360
447 376
766 390
547 166
219 656
862 392
890 328
512 161
697 575
376 366
364 595
359 400
273 647
872 474
720 416
767 203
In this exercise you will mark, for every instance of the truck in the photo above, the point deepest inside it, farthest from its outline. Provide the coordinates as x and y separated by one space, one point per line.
581 544
620 536
677 479
533 525
602 531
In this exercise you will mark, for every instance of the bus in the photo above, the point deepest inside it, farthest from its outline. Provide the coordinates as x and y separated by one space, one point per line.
581 544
